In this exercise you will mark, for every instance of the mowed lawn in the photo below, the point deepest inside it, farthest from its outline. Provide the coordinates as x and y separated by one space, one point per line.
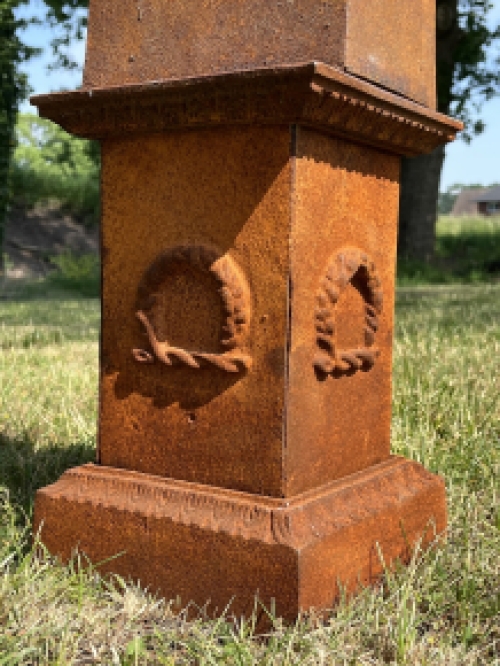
443 609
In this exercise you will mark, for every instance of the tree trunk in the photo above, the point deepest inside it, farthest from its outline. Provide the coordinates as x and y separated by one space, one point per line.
6 141
420 178
13 87
9 96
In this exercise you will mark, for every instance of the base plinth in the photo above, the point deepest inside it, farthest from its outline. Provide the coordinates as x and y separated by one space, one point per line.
202 543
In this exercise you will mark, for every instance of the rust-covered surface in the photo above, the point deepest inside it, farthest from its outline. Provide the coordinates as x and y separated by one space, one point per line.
391 43
208 545
249 218
272 209
228 191
345 199
157 40
314 94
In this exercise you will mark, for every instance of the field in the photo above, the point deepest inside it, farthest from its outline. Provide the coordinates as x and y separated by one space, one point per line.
467 252
443 609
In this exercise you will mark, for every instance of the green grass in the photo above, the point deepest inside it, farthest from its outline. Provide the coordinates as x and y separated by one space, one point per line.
48 368
467 251
444 609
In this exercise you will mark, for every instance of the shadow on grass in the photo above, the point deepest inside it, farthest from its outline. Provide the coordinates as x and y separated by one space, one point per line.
460 306
448 271
24 468
29 289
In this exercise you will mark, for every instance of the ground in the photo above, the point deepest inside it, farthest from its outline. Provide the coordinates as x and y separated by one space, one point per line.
443 609
35 235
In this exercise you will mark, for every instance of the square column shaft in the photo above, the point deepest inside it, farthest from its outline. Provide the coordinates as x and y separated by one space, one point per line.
281 202
249 228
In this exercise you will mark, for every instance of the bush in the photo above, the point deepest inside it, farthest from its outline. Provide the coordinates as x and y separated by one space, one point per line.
467 251
80 274
471 243
49 164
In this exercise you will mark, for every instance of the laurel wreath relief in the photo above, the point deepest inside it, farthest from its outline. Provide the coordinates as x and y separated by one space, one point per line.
235 295
342 267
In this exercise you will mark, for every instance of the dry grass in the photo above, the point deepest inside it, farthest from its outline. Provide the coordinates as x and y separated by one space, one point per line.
443 609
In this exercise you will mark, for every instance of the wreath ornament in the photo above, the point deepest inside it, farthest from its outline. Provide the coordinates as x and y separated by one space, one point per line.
235 295
342 267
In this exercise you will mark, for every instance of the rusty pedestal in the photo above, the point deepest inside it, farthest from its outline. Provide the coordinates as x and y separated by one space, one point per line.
249 224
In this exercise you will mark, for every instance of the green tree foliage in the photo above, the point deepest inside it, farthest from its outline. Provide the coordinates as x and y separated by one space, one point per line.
13 87
70 19
468 60
13 83
468 74
48 163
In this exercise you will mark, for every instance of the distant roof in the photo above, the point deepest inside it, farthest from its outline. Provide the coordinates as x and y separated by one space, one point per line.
466 201
491 194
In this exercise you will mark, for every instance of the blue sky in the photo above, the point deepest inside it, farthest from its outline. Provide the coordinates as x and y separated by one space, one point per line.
478 162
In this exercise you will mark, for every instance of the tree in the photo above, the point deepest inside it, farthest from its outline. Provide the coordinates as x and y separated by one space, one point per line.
13 88
13 83
50 164
467 76
465 79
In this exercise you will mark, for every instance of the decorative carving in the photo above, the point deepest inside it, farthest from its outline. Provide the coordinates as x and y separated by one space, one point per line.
342 268
295 522
315 95
235 295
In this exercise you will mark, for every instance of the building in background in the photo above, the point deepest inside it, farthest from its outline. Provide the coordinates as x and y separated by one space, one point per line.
488 203
477 201
466 201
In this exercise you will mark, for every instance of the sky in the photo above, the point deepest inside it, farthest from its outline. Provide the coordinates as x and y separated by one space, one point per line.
478 162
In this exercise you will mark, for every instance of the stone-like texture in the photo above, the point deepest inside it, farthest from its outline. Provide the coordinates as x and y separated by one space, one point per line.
206 543
313 94
390 42
228 188
344 195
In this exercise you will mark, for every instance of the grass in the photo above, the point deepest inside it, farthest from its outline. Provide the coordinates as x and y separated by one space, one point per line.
442 609
467 252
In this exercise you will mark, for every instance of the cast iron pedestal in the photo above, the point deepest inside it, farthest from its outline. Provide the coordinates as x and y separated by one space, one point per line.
249 226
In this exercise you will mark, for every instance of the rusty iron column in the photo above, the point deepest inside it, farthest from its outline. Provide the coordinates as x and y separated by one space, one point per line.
250 183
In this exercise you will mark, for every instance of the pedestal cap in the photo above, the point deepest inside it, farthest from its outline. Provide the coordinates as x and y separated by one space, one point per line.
312 95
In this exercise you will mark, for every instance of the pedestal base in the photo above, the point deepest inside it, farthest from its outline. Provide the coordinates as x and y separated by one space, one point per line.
203 543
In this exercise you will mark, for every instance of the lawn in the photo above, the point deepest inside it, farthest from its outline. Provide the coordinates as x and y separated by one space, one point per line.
443 609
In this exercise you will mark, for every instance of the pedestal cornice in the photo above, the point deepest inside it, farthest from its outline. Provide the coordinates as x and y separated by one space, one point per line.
313 95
